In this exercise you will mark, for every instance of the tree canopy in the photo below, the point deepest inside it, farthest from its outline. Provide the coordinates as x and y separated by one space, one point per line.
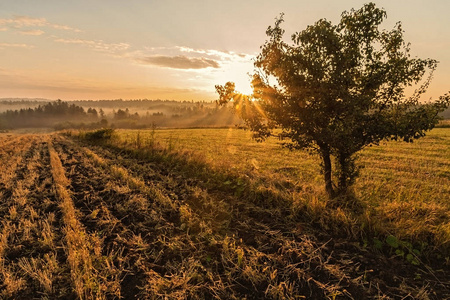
337 89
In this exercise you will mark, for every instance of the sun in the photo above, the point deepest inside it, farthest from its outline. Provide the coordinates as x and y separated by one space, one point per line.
244 87
239 73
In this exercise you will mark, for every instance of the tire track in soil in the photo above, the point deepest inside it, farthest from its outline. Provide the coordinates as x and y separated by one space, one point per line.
14 167
13 156
33 254
94 275
372 274
11 171
50 205
86 187
128 221
158 228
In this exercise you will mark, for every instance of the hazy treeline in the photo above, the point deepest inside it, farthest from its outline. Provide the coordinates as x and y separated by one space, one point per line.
107 105
47 115
114 113
131 114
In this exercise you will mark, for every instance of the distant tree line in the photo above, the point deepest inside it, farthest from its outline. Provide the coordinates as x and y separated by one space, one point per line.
113 113
46 115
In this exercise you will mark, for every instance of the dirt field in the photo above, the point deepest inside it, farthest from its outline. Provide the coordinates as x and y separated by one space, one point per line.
80 221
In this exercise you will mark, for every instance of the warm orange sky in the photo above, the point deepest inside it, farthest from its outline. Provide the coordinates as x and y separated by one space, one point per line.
109 49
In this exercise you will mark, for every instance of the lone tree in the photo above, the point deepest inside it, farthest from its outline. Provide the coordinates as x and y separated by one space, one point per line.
338 88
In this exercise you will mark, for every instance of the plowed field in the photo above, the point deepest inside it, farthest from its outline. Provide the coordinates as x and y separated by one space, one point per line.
80 221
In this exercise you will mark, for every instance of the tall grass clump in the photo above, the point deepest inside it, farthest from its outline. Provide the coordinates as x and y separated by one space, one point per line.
99 135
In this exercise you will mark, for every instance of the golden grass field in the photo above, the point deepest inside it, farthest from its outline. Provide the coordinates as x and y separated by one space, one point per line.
211 214
404 187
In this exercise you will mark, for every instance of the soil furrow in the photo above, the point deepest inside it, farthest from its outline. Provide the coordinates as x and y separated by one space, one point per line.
93 275
33 256
130 222
89 198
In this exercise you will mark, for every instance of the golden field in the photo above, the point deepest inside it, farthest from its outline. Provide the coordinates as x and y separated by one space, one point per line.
211 214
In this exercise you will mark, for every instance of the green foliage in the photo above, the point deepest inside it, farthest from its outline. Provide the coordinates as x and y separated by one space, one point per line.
401 249
99 135
377 244
80 125
338 88
392 241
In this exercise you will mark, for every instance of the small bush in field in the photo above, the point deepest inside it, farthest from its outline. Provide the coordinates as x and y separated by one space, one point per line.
100 134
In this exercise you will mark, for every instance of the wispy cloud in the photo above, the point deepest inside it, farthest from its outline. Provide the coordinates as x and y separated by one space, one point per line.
180 62
24 21
211 53
180 57
14 45
223 55
98 45
32 32
19 22
64 27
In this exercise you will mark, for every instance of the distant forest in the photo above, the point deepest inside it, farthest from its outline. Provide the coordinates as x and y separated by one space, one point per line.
135 114
131 114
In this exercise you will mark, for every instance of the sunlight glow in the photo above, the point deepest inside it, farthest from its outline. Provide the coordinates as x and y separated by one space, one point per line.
244 87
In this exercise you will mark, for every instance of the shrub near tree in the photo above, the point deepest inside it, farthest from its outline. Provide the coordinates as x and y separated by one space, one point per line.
338 88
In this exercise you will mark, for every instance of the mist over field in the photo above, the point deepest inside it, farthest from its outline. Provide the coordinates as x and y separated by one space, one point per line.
25 113
15 114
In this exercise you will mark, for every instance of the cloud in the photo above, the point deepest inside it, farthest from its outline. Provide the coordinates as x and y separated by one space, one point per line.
179 62
180 57
64 27
216 54
24 21
32 32
18 22
10 45
222 55
97 45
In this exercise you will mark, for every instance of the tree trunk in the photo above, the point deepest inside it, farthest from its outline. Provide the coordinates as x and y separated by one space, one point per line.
327 173
343 173
347 172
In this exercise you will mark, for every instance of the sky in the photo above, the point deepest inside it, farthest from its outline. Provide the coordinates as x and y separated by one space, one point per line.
177 50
